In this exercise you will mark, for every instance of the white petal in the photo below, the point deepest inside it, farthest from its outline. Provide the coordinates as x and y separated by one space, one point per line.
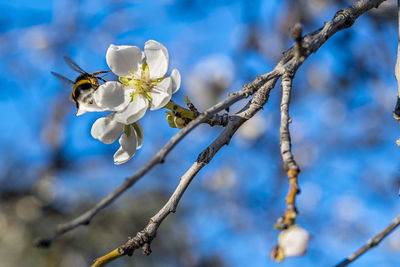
139 136
161 94
156 58
123 58
111 96
133 112
294 241
127 149
106 130
176 80
85 108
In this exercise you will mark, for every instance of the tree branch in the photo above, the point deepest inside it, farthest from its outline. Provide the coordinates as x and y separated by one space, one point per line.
288 160
289 163
371 243
288 63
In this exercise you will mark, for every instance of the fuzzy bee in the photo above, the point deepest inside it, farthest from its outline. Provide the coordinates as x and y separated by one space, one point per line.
85 84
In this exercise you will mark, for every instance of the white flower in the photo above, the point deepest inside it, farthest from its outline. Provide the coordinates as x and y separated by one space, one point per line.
143 82
85 108
293 241
107 130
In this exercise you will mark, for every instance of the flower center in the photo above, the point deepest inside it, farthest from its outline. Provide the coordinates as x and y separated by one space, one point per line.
140 82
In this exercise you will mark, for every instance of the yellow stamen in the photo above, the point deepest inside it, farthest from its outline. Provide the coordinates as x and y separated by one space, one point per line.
142 85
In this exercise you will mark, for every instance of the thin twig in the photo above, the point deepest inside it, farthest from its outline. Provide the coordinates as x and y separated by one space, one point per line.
286 151
310 43
371 243
290 165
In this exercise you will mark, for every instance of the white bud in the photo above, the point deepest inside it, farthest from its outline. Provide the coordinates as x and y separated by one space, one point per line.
293 241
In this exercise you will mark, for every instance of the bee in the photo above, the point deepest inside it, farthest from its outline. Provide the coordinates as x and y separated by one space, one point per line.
85 84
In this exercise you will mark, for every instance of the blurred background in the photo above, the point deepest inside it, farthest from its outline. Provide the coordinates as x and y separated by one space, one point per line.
343 134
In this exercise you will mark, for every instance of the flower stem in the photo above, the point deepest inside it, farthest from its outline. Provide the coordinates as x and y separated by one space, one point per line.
183 112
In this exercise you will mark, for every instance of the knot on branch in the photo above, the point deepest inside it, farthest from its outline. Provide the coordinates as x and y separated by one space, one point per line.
204 157
345 18
218 120
288 75
127 249
291 168
142 239
373 242
251 88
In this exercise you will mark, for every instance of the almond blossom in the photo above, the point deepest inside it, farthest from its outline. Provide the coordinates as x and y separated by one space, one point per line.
142 85
107 130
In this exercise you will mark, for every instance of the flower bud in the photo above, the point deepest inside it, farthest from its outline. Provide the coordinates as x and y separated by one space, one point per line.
293 241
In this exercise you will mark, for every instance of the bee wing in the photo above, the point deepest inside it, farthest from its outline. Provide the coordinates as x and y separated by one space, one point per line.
63 79
73 65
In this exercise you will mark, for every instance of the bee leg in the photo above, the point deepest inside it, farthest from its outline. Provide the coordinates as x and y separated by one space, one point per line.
101 79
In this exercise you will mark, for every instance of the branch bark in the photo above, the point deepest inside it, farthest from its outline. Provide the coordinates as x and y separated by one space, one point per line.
290 165
286 147
371 243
